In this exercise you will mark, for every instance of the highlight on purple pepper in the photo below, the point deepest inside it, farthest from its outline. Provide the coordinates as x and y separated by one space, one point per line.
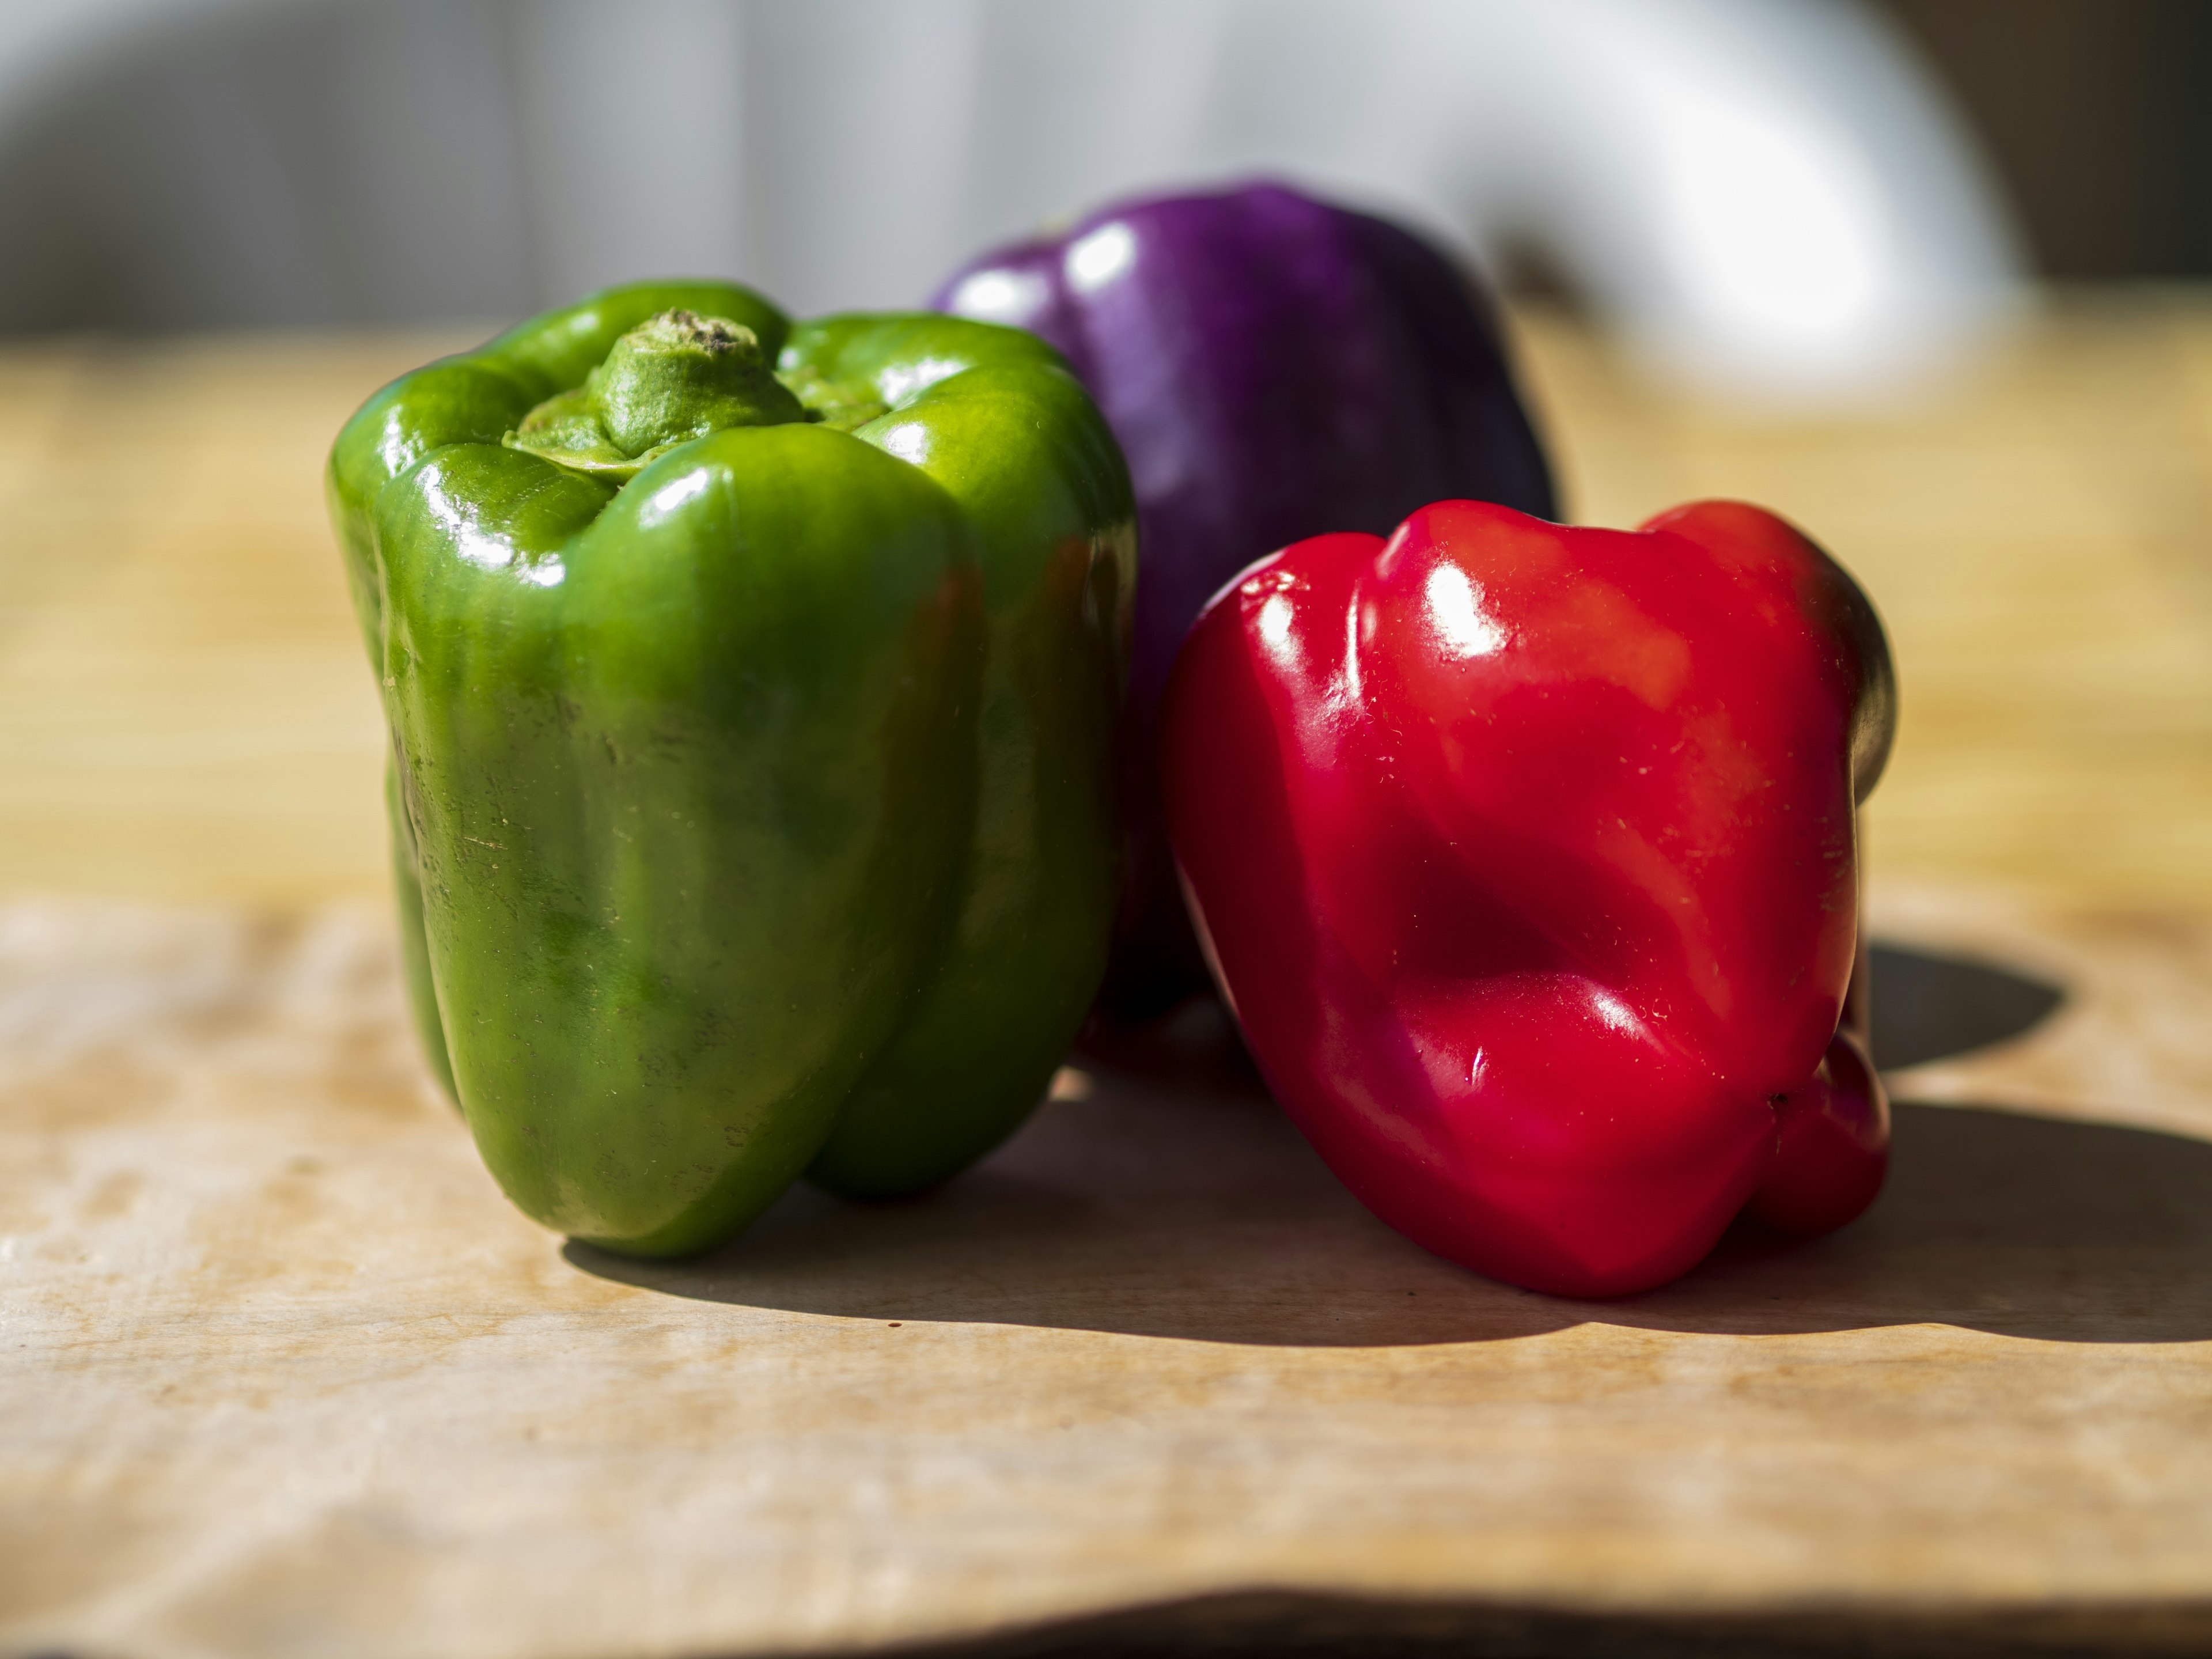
1275 367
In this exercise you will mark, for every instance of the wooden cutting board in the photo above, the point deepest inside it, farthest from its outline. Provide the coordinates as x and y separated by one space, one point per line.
281 1374
286 1375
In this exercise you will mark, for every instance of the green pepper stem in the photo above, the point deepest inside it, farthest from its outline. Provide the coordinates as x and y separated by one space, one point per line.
673 378
680 375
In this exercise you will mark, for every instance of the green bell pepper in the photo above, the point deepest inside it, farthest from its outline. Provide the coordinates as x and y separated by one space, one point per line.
752 690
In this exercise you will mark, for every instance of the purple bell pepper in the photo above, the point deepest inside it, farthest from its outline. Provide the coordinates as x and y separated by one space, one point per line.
1275 367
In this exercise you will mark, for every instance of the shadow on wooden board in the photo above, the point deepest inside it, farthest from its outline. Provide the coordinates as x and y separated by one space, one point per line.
1298 1626
1930 1008
1188 1209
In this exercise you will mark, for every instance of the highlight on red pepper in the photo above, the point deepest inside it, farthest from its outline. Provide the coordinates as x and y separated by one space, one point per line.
1526 857
1273 365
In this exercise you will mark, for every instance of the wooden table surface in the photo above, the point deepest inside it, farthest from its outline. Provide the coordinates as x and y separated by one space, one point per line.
281 1374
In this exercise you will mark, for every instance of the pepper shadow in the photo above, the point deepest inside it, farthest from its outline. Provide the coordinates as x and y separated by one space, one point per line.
1930 1007
1167 1208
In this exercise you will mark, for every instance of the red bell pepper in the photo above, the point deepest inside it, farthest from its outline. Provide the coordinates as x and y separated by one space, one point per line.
1526 856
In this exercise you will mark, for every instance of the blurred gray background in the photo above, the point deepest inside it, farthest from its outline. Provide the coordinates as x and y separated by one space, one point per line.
1798 196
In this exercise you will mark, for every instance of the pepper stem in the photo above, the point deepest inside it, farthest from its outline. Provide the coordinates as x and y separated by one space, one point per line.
680 375
673 378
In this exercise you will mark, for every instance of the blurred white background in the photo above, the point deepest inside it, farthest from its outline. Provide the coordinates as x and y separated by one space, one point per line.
1772 196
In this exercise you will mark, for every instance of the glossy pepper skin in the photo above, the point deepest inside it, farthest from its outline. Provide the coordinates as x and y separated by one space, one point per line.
752 690
1275 367
1526 857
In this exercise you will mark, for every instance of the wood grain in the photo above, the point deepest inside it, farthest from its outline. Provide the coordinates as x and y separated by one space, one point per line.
283 1375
